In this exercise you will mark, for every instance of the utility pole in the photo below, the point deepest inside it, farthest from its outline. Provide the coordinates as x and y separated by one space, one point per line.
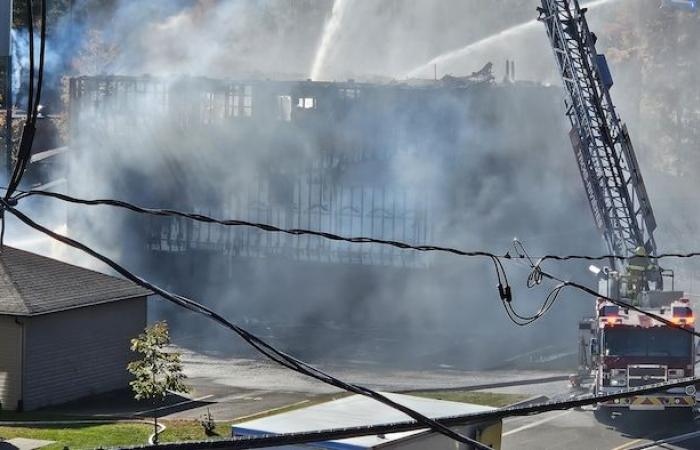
6 61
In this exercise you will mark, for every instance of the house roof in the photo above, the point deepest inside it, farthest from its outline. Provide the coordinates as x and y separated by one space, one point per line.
31 284
353 411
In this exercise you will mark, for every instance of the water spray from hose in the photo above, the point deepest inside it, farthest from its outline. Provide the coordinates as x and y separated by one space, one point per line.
329 37
486 42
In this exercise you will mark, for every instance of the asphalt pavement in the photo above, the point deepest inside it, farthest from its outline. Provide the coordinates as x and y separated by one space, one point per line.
579 429
232 388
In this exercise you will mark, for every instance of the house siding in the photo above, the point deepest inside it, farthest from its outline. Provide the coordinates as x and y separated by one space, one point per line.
80 352
10 362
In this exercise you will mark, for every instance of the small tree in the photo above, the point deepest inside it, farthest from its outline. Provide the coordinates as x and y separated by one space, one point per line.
208 424
158 372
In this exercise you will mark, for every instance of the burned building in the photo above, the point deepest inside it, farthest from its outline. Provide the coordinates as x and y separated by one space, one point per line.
458 161
298 155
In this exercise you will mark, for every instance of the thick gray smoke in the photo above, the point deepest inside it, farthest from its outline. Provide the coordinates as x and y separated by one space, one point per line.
494 162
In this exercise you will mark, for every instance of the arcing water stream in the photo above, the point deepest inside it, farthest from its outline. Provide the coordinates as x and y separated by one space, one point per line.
330 32
484 43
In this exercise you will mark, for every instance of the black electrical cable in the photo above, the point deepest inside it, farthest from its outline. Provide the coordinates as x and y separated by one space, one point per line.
442 425
287 439
163 212
535 278
30 30
504 289
537 275
264 348
550 299
261 226
29 130
42 54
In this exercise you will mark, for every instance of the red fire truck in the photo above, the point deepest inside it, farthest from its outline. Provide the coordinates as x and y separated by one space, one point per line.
620 348
623 348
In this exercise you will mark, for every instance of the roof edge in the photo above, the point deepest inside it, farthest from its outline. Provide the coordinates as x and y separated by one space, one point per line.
71 308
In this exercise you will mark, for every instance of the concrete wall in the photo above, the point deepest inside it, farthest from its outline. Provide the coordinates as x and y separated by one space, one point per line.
10 362
81 352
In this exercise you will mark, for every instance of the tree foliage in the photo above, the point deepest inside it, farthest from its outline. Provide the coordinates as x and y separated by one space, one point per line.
662 47
97 55
55 9
158 372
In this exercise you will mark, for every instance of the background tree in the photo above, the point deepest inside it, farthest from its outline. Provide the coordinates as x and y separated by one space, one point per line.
96 56
158 372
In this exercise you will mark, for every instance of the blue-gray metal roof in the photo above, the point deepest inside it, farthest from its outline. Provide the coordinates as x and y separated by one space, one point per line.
356 410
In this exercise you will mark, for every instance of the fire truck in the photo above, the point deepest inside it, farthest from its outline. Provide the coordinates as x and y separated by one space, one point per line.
619 348
623 348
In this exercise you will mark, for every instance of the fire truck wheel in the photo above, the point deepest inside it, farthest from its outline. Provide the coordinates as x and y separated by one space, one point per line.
603 415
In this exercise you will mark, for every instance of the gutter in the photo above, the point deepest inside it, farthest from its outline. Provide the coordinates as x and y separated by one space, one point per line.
22 353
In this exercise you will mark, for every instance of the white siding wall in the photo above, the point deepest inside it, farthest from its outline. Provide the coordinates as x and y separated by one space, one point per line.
81 352
10 362
432 441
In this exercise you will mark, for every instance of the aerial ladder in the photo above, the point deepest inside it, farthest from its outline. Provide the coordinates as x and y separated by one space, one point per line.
619 347
602 146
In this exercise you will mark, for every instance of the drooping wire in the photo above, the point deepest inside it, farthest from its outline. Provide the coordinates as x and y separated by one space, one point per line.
504 288
299 366
164 212
30 30
537 275
261 346
534 279
290 439
29 130
505 293
42 54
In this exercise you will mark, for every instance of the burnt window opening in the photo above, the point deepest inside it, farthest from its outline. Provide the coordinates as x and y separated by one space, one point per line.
306 103
284 108
240 101
248 101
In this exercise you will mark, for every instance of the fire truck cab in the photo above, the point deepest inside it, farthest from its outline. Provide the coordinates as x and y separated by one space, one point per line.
624 349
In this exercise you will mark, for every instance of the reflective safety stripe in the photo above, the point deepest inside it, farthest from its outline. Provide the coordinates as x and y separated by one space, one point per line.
652 400
647 401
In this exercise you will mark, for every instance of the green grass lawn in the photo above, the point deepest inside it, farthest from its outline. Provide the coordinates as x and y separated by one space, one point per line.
90 436
475 397
191 430
82 436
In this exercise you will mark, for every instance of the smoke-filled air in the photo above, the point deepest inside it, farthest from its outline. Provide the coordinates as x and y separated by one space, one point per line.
390 119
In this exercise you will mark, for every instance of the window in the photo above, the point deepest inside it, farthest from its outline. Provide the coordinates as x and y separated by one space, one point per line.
284 108
240 101
657 341
248 101
306 103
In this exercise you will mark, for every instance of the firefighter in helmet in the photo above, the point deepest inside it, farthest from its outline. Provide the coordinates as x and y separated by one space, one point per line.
637 268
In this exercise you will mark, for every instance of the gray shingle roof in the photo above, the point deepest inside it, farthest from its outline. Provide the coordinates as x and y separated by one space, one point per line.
31 284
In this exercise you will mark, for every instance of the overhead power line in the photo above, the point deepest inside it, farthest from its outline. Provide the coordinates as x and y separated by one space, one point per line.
33 102
504 288
537 275
282 358
292 363
261 346
164 212
280 440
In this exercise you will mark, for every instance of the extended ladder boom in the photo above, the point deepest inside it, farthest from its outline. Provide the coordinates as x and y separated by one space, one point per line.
602 145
